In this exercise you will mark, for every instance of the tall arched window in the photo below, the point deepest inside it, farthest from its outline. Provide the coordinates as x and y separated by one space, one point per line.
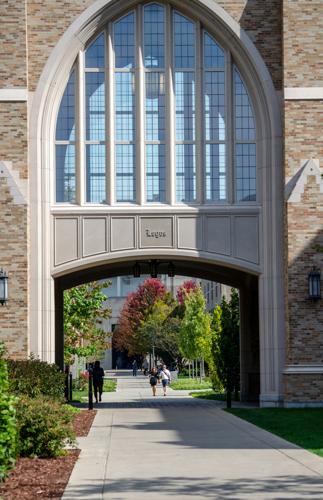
145 114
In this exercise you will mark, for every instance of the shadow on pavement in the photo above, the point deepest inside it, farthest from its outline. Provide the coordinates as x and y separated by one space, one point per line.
279 488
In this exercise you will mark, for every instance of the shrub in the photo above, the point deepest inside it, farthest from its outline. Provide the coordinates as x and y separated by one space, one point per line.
81 383
34 378
44 427
8 430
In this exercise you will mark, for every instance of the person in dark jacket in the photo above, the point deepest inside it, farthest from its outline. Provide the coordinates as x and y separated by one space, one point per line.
134 368
98 374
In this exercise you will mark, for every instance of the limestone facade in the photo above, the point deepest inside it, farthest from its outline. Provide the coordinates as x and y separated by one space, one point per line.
288 36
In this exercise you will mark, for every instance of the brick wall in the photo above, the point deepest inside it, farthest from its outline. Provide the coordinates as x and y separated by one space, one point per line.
303 43
303 67
13 44
306 388
14 259
262 21
47 22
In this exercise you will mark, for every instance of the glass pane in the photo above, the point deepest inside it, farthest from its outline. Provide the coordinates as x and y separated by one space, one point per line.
246 172
154 36
215 171
125 106
65 173
214 106
185 172
124 42
244 119
125 172
95 173
65 126
184 42
155 172
94 54
95 107
185 105
155 106
213 55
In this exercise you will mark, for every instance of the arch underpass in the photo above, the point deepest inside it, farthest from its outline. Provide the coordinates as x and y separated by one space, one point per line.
248 293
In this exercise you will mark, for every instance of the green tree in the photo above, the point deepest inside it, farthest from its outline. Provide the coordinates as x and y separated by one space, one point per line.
195 335
225 343
85 308
160 329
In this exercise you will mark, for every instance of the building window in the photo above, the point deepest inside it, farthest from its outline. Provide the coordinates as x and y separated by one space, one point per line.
147 106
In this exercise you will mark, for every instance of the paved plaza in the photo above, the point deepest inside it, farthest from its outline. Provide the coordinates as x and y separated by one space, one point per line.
142 447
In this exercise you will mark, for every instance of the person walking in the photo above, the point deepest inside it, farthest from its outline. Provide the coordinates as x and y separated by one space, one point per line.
153 380
134 368
98 374
165 378
145 366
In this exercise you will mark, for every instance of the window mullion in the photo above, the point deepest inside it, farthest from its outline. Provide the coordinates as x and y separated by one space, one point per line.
80 127
229 130
140 111
110 119
199 151
170 112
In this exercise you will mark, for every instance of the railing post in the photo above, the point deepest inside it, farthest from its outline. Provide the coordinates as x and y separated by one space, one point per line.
90 388
71 387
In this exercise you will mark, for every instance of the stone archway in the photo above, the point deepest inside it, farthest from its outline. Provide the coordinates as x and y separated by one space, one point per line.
67 240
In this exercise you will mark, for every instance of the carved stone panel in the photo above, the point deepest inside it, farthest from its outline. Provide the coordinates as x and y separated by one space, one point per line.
189 232
66 240
156 232
122 233
94 235
246 239
218 235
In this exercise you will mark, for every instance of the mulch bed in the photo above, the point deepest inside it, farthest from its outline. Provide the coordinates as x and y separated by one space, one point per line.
45 477
83 421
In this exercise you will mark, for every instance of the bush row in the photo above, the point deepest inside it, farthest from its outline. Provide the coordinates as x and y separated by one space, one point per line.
8 429
33 419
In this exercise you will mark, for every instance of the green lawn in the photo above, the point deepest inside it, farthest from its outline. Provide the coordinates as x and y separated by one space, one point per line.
189 383
303 427
109 385
218 396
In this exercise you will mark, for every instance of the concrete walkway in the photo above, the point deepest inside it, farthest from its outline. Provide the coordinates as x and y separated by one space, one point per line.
143 448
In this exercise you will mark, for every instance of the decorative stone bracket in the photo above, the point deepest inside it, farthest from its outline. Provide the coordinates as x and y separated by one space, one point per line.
295 185
17 186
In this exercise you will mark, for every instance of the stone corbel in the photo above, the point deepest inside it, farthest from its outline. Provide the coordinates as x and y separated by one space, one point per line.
17 186
295 185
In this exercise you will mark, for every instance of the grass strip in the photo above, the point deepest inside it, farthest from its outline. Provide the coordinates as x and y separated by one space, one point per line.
301 426
109 385
188 384
218 396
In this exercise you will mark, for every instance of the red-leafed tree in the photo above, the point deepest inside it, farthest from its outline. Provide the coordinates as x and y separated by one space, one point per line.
135 310
185 289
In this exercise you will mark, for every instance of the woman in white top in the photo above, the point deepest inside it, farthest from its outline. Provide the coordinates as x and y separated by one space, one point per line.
165 378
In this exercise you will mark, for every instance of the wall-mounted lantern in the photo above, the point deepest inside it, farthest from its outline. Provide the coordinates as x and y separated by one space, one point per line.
153 268
3 287
314 284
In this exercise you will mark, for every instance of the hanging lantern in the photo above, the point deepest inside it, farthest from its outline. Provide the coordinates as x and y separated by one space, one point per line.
3 287
136 270
314 284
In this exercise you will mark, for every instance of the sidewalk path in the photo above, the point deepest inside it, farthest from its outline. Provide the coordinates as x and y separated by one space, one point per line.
145 448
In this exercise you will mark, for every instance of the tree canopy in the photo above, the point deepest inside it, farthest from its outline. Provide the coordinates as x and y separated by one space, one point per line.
136 309
225 344
195 336
85 307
